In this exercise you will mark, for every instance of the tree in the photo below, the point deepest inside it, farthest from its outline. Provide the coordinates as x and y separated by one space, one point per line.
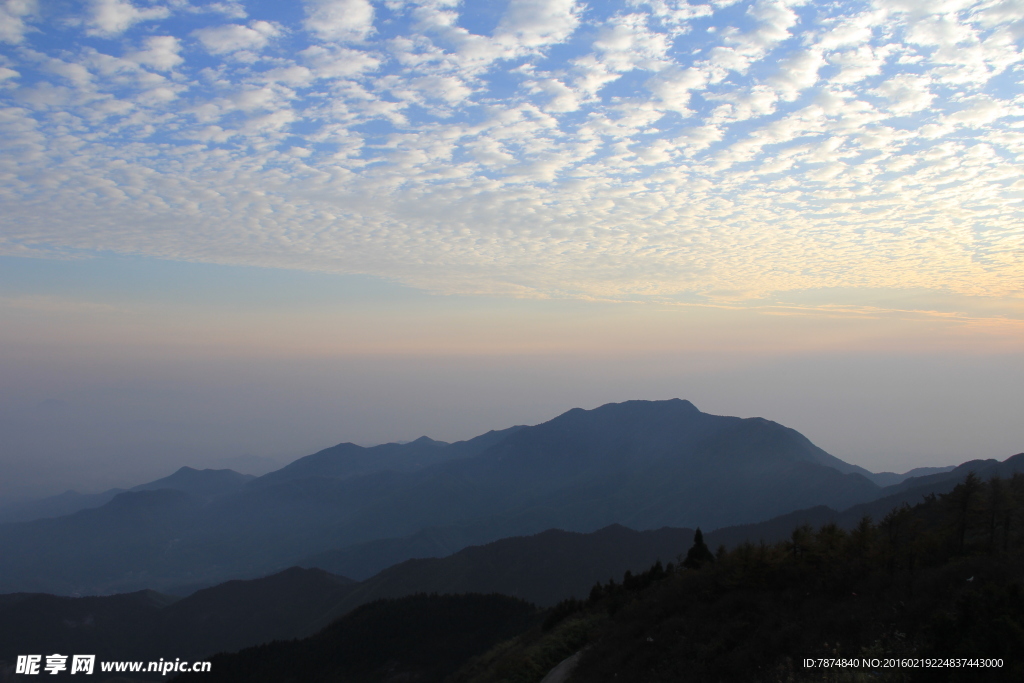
963 498
698 555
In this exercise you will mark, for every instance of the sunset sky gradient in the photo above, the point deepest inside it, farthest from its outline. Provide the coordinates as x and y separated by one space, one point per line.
238 232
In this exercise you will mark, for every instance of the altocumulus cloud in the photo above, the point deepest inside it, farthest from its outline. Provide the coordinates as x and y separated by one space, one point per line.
531 147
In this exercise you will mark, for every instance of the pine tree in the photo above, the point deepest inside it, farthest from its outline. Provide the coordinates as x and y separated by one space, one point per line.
698 555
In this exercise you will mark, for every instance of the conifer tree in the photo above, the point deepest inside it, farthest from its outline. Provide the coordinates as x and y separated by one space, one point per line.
698 555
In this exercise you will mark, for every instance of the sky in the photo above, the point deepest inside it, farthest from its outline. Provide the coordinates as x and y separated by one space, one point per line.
233 233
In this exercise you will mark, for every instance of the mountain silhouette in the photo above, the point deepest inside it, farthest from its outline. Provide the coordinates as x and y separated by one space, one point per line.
149 625
543 569
203 483
643 464
348 460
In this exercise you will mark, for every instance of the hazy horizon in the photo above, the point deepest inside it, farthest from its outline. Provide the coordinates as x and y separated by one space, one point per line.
235 233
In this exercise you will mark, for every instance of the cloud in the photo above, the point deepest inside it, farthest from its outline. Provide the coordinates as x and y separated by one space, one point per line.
627 43
231 9
675 13
334 62
12 19
906 93
562 97
857 64
339 20
159 52
557 149
797 72
537 23
235 37
110 18
674 87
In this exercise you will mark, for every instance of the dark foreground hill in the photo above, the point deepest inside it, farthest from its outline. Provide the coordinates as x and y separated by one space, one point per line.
643 464
149 625
940 582
419 639
909 492
543 569
296 603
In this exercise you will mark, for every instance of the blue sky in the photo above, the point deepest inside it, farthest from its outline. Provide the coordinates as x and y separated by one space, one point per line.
743 182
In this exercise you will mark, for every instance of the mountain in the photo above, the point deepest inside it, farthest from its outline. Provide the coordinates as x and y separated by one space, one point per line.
149 625
891 478
936 581
909 492
203 483
421 639
362 561
66 503
347 460
237 614
643 464
105 626
543 569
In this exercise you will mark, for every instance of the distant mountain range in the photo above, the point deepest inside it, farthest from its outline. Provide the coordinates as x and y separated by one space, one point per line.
146 624
200 483
643 464
542 569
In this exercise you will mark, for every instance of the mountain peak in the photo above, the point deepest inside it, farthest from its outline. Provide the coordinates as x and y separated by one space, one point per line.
678 404
426 440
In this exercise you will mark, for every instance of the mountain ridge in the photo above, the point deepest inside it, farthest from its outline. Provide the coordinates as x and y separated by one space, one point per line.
645 464
542 568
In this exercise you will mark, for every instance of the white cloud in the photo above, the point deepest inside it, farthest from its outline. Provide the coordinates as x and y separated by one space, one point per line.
235 37
590 75
627 43
674 87
335 62
339 20
159 52
906 93
113 17
982 111
857 64
699 138
562 97
774 19
673 12
231 9
852 31
537 23
742 105
942 31
12 19
461 151
448 89
797 72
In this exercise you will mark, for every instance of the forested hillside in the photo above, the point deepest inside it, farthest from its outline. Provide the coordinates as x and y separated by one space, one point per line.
940 580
